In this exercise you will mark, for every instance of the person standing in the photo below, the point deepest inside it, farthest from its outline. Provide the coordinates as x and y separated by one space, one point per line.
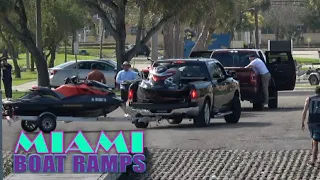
125 75
96 75
312 104
261 69
7 77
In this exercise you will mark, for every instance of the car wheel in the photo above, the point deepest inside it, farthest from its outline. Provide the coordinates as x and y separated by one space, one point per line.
257 106
236 111
141 125
177 120
313 80
204 115
273 101
29 126
47 123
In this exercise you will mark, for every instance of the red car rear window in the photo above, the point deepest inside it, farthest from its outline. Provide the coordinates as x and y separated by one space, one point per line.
233 58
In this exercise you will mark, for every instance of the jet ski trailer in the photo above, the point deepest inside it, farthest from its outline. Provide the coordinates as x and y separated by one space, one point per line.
47 121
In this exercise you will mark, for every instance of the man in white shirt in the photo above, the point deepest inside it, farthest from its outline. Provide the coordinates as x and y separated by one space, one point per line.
125 75
261 69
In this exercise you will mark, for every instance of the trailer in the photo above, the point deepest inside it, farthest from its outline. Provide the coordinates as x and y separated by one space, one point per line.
47 121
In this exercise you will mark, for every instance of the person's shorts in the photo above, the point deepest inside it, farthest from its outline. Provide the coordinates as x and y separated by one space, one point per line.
315 134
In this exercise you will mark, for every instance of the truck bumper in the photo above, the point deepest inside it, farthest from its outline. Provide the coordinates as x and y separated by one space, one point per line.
250 94
165 110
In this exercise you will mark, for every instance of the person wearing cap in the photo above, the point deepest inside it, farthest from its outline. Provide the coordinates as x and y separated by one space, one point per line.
6 74
261 69
312 105
96 75
125 75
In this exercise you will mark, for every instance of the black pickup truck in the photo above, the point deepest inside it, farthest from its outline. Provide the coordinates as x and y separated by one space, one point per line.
189 88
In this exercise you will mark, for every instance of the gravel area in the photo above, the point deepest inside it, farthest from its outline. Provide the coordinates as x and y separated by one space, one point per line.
167 164
7 163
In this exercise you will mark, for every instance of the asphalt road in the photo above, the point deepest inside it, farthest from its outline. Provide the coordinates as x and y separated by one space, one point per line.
268 129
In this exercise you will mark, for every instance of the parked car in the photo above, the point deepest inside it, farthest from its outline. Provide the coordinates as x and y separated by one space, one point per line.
68 69
280 64
202 90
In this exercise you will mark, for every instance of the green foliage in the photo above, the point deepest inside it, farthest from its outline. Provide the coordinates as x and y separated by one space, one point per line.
60 19
312 19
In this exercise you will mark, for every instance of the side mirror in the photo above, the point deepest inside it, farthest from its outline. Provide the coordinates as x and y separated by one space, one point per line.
220 80
232 74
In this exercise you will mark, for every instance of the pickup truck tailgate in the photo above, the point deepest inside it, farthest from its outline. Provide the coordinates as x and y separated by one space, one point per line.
248 80
244 76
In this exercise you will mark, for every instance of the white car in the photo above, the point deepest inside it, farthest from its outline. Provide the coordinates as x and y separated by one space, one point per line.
59 73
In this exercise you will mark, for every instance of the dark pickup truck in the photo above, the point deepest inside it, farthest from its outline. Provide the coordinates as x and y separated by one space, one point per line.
280 64
188 88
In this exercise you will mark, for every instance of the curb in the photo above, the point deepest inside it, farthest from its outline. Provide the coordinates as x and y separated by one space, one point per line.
106 176
110 176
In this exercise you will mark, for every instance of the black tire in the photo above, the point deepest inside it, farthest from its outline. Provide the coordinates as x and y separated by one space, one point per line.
175 120
29 126
257 106
313 80
236 111
273 101
47 123
204 115
141 125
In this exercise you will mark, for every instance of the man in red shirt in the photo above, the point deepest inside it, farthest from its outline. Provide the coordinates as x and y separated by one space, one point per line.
96 75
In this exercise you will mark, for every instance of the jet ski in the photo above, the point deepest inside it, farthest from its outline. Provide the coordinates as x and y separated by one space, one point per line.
164 85
73 99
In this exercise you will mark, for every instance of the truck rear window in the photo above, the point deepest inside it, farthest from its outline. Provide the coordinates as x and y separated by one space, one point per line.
232 59
201 54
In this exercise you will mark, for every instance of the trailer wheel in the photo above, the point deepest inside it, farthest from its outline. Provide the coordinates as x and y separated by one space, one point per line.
177 120
313 80
204 115
141 125
29 126
47 123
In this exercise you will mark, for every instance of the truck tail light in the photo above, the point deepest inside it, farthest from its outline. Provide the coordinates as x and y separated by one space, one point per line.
53 72
130 95
253 78
193 94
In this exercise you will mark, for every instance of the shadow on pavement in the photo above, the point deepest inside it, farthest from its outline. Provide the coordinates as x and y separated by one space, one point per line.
213 126
280 109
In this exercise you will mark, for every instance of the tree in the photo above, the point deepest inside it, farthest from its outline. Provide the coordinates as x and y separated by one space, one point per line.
113 14
312 19
210 20
12 45
284 20
60 19
12 9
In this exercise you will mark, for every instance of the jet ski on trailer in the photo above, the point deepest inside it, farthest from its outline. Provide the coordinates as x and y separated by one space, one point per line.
73 101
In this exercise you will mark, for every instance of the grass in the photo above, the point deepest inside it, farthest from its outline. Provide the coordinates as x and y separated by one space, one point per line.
306 60
15 94
29 76
305 86
59 59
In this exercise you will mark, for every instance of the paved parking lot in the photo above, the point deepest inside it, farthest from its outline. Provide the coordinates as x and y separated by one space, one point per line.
263 145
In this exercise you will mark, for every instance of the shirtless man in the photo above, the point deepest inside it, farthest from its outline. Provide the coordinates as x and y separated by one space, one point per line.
96 75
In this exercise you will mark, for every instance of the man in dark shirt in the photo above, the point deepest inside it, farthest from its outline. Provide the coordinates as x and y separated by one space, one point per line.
7 77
